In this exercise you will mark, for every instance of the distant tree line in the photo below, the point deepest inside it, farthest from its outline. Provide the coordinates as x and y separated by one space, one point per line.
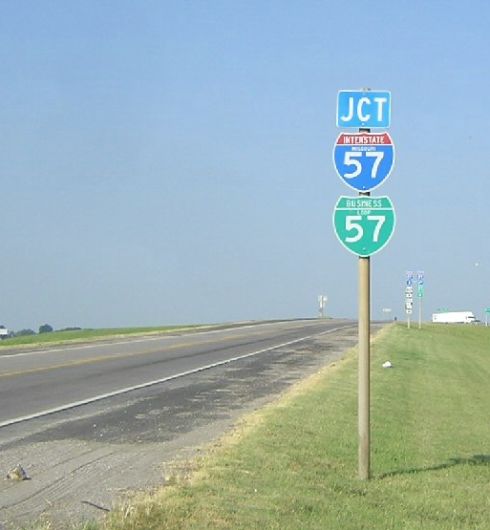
24 333
44 328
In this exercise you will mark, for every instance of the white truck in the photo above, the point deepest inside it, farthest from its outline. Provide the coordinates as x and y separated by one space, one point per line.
454 317
4 333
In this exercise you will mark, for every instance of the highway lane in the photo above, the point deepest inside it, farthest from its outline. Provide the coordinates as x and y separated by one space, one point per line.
38 382
90 455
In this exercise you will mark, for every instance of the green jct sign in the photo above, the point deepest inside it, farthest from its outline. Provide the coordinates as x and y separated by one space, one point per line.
363 224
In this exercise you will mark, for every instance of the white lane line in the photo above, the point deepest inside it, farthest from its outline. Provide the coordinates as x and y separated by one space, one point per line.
108 343
95 344
156 381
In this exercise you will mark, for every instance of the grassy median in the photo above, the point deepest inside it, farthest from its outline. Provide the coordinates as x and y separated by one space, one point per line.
294 465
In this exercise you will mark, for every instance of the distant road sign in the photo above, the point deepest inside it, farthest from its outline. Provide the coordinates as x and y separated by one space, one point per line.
364 225
363 108
364 160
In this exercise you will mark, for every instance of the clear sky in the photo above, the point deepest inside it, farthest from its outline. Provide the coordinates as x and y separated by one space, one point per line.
169 162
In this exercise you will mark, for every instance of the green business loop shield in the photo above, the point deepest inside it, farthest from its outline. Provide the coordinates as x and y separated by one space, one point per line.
364 224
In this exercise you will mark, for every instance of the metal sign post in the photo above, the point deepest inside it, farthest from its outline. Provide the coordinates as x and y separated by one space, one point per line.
364 361
364 368
420 293
420 312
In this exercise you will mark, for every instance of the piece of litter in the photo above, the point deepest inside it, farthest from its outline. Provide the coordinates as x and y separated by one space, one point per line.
387 364
17 473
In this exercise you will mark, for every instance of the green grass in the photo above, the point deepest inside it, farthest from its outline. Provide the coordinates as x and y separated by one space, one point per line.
84 335
88 335
294 465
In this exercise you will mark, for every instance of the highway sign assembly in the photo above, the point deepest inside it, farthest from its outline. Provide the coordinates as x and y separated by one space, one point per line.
364 109
364 225
417 278
322 303
364 160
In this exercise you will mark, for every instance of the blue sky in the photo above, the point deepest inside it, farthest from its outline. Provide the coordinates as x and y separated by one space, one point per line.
171 162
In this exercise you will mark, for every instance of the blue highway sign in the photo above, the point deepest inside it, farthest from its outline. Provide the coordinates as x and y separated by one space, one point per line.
364 160
359 108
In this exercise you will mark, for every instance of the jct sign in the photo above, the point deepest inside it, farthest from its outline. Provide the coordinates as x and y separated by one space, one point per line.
358 108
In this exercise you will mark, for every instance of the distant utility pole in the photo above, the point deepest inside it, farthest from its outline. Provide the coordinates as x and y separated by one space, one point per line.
322 304
420 293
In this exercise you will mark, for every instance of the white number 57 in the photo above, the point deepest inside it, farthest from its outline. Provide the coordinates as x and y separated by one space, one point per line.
351 159
352 223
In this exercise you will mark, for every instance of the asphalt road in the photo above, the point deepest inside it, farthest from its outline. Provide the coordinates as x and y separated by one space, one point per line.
90 422
35 383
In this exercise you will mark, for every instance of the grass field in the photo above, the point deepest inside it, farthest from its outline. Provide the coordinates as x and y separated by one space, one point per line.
294 465
84 335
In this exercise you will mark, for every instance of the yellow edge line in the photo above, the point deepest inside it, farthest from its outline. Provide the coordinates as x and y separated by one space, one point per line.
116 357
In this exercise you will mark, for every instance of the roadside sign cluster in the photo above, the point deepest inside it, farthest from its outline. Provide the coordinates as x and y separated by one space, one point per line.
415 282
417 279
364 160
322 304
